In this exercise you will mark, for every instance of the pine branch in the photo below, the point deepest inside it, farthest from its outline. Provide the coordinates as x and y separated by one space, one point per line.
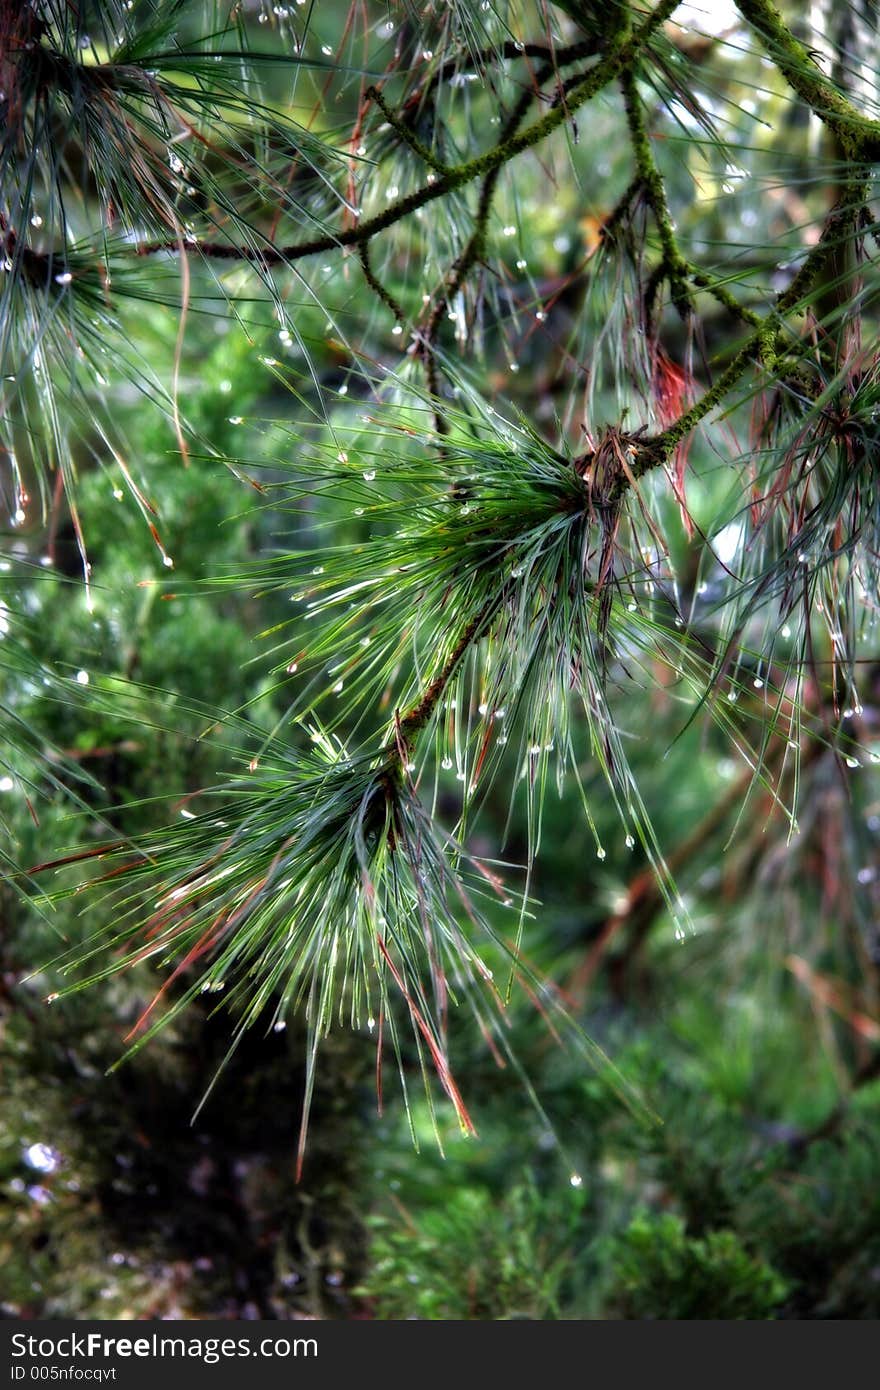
473 251
620 54
858 134
376 285
494 577
407 135
416 719
673 265
761 346
555 58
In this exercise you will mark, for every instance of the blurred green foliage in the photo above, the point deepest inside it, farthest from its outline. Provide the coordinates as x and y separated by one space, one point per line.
476 1257
661 1272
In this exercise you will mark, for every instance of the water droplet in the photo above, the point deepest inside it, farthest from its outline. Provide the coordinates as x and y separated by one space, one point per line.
42 1158
600 853
319 569
629 842
235 419
576 1180
280 1026
369 475
853 762
758 683
446 764
866 875
82 677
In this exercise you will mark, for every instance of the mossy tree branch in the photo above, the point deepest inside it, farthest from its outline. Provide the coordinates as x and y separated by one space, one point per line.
673 266
761 345
859 136
620 54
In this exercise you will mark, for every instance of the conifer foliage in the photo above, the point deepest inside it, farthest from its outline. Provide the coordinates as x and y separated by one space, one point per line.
471 577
